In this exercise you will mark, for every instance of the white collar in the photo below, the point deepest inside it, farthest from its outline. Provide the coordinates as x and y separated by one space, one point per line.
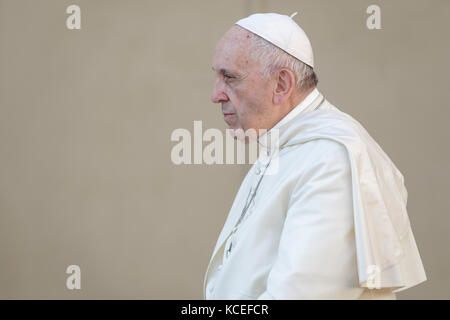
300 108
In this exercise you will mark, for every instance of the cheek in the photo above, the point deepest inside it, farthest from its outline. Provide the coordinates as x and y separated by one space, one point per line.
236 100
248 103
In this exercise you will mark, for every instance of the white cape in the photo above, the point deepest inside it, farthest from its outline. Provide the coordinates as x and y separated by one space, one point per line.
382 228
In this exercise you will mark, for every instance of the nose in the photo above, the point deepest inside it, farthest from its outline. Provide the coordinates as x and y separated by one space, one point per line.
218 95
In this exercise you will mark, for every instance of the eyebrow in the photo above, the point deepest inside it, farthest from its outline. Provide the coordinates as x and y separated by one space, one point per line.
225 71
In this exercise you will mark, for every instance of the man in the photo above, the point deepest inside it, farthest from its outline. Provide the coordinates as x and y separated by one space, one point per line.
331 223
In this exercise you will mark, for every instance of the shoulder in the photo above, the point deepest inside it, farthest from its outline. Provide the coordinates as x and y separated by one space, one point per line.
325 146
315 157
326 130
328 156
321 149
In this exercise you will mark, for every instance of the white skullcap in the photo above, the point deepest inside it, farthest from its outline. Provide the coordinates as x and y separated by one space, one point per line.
281 31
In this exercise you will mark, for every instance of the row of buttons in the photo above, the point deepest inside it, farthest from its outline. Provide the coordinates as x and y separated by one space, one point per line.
231 241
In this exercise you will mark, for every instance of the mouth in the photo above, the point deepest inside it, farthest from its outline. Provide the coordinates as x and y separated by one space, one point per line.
228 117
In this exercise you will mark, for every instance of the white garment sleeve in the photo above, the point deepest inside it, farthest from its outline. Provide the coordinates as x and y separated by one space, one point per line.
317 255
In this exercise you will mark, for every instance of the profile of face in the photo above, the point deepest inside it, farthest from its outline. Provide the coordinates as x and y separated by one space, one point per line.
240 87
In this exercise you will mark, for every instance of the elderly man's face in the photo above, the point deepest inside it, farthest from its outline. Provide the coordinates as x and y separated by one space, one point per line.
239 86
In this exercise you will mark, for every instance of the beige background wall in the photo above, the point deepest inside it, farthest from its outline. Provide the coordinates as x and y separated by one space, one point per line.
86 118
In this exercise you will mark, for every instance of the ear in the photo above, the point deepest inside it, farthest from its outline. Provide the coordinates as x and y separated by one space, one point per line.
284 85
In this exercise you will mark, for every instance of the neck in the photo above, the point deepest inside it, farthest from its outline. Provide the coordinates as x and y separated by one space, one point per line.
283 109
296 99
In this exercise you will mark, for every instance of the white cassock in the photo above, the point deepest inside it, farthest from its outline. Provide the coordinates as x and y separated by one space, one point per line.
330 224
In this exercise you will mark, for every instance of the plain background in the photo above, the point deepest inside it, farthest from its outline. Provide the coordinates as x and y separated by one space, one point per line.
86 117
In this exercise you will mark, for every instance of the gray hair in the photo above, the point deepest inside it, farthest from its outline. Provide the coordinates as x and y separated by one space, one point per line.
273 58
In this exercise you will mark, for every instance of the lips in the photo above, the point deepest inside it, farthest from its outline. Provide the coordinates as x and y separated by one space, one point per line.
228 116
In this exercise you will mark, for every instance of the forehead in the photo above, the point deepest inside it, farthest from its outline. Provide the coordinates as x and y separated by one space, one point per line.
232 50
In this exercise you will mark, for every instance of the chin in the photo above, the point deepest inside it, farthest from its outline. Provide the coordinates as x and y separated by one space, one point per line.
233 126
